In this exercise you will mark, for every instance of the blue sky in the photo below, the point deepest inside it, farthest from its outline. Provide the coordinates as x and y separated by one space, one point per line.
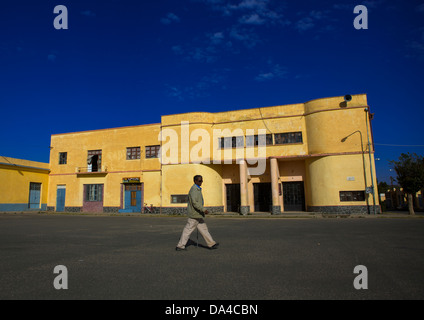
123 63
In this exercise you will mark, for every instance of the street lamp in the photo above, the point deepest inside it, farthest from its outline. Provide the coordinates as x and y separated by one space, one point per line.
367 117
363 163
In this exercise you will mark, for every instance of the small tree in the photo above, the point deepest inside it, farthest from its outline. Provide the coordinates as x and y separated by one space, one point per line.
410 175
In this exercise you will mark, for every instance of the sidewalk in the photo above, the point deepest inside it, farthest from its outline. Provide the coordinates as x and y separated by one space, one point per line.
253 215
319 215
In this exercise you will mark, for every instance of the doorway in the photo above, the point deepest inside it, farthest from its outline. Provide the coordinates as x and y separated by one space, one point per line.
263 197
60 198
294 196
34 195
133 197
233 197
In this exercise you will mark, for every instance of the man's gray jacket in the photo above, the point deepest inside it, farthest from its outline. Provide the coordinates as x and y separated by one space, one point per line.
195 209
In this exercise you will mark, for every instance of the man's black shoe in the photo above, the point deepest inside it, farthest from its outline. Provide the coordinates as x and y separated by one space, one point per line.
215 246
180 249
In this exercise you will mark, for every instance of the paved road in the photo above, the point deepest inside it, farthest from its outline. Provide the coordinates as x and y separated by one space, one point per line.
110 257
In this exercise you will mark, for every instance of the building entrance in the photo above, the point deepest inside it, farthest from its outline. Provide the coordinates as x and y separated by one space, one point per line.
133 197
60 198
34 195
294 196
263 197
233 197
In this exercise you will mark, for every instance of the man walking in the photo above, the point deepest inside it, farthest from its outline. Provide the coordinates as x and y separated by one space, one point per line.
196 213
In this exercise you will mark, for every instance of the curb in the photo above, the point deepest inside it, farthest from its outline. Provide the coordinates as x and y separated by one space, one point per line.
301 215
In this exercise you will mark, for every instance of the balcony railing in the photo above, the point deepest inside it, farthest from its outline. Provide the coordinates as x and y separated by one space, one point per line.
91 170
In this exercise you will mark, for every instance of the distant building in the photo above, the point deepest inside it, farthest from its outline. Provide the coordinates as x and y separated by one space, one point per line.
395 198
309 156
23 185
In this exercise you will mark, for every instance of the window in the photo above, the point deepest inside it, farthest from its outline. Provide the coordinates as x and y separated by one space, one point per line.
152 151
259 139
133 153
63 157
231 142
93 192
94 161
179 198
286 138
352 195
133 187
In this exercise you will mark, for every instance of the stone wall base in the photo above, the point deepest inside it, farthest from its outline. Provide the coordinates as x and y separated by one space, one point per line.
183 210
345 209
276 210
244 210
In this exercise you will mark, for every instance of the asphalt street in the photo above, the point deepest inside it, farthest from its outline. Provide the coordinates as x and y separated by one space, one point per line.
134 257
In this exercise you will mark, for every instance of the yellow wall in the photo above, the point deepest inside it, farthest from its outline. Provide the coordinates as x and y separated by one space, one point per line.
322 161
115 166
16 176
326 176
278 119
178 179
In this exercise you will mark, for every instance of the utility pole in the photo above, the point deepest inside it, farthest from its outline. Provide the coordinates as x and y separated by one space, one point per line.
369 152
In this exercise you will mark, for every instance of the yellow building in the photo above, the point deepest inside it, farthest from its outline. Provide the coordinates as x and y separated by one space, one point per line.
23 185
311 156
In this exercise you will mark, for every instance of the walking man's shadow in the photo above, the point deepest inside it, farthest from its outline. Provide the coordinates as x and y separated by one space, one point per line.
195 244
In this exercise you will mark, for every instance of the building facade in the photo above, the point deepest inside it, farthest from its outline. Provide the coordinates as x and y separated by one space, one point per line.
23 185
316 156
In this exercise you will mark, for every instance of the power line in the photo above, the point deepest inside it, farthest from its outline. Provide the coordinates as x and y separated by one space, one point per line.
398 145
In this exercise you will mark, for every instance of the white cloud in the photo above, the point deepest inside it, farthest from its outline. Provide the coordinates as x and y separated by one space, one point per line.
201 88
265 76
253 12
260 5
195 53
372 3
252 19
244 17
276 72
305 24
248 37
170 18
310 21
202 54
217 38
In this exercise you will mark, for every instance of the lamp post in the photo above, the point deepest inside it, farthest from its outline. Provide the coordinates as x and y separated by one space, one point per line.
363 163
369 152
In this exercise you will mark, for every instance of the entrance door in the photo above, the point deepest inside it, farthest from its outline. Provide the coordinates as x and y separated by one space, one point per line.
233 197
294 196
133 197
60 198
263 197
34 195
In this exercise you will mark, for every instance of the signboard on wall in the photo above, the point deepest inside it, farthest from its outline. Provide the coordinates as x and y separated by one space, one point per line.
130 180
